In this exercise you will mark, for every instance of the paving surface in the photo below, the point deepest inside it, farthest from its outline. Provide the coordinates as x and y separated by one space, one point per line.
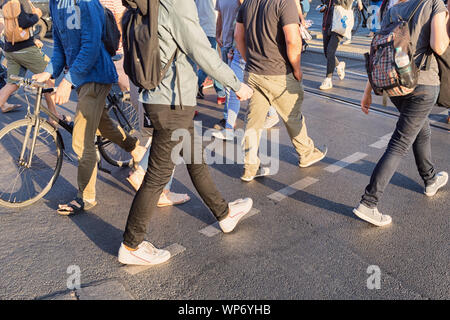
301 241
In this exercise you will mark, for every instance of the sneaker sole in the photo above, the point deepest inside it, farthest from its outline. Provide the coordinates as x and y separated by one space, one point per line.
315 161
430 194
370 220
144 262
256 176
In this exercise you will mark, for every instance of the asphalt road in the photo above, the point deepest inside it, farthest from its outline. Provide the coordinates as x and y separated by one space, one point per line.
301 242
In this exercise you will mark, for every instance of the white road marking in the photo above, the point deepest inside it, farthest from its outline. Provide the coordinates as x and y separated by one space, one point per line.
345 162
382 142
174 249
293 188
214 229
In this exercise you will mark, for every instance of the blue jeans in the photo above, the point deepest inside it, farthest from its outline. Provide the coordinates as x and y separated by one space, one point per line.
202 75
412 129
233 104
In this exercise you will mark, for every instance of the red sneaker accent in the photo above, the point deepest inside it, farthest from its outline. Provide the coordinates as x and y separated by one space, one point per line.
221 100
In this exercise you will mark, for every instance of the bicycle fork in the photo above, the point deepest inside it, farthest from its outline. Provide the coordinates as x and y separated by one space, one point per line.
36 125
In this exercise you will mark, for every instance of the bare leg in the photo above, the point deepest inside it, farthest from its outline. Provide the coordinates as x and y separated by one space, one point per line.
6 92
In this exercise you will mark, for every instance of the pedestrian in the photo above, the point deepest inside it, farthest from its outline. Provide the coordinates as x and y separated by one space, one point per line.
77 34
428 29
207 15
226 16
331 40
24 53
170 107
268 37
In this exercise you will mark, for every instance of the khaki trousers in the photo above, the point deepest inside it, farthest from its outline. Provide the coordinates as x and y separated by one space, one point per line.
284 93
91 119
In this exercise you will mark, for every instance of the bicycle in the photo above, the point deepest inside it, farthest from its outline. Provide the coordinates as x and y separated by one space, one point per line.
34 148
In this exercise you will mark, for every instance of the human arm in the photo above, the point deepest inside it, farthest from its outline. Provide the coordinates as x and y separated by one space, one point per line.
190 38
366 100
293 48
219 29
300 13
439 39
239 38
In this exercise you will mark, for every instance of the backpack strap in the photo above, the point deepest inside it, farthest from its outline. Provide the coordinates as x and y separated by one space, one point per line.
419 3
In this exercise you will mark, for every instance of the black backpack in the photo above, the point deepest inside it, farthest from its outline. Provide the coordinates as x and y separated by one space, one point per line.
444 74
111 34
142 61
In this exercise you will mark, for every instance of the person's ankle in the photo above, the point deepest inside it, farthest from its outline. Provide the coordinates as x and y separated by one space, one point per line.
128 248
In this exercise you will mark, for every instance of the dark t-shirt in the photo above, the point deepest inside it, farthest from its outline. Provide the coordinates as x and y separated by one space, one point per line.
266 45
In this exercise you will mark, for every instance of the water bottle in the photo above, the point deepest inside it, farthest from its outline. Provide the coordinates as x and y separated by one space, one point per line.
404 67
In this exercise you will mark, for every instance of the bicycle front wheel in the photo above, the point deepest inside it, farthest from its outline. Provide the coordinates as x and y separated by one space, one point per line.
125 115
22 185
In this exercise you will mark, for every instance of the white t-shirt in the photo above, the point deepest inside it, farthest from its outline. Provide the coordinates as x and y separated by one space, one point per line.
207 16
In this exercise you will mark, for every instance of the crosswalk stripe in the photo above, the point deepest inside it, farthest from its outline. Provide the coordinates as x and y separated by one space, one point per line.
382 142
335 167
293 188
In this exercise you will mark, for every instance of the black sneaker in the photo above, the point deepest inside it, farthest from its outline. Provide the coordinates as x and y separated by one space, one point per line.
200 94
220 125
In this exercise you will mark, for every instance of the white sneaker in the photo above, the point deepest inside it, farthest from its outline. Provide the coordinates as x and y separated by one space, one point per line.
340 70
441 180
326 84
271 121
145 255
224 134
372 215
238 209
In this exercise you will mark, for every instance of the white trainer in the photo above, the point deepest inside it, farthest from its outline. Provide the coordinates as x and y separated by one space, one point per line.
145 255
441 180
340 70
224 134
372 215
326 84
238 209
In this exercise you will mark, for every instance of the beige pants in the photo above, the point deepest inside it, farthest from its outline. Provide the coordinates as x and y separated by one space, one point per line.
285 93
91 119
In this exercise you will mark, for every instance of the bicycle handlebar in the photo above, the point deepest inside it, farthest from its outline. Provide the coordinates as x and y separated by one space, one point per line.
27 82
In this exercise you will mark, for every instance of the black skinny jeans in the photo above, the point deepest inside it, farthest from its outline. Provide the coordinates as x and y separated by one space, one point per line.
160 166
412 129
330 45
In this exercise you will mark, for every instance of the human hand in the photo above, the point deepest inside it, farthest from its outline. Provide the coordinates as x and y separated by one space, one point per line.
38 43
41 77
244 92
63 92
366 101
298 74
219 41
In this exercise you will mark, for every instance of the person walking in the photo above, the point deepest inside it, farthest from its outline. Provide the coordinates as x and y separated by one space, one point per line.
170 107
207 16
268 37
79 49
331 42
428 30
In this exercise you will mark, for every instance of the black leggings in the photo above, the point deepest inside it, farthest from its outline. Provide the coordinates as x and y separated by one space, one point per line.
330 45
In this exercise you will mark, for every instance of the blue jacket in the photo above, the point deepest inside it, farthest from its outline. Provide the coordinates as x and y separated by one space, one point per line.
77 35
